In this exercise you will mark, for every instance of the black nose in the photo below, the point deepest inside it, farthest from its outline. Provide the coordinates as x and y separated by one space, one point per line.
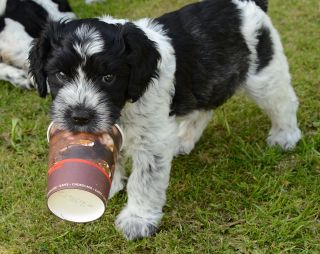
81 117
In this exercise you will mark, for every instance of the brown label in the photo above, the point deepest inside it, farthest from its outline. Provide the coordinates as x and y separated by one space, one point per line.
101 149
78 174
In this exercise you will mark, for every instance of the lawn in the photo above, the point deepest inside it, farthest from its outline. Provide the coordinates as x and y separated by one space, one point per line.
233 194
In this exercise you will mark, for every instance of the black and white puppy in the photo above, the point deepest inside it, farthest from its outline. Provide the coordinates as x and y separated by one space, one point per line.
159 79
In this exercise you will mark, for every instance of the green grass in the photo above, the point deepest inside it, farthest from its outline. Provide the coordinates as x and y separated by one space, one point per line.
233 194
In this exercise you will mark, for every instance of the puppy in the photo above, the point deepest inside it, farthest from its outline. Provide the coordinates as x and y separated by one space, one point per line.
160 79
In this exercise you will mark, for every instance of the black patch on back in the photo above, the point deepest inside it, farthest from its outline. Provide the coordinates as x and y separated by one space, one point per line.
31 15
212 57
63 5
264 48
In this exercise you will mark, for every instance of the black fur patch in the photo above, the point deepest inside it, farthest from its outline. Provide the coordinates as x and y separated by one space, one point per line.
31 15
264 48
1 23
263 4
63 5
212 55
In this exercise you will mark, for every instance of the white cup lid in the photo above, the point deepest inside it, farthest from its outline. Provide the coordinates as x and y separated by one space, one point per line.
76 205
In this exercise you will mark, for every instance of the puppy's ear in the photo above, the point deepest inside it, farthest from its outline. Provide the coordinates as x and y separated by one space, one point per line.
38 55
143 58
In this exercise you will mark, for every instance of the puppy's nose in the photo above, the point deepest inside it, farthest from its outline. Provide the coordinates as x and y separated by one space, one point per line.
80 117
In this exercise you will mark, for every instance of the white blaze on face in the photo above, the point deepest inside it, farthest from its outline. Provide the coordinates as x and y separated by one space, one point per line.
91 41
81 92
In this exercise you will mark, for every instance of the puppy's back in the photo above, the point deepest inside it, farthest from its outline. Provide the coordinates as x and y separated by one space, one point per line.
211 53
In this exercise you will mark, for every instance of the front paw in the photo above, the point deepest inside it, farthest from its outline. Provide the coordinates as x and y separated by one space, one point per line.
286 138
136 227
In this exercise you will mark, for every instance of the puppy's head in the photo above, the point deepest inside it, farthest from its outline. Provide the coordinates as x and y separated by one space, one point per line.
93 69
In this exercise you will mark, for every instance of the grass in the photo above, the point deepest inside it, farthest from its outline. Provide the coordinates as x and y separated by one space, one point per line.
233 194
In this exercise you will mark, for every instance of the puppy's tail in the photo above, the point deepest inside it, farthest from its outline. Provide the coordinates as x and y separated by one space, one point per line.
263 4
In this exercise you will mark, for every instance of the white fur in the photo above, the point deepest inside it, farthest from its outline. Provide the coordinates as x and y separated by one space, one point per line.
110 20
15 76
152 154
271 87
3 4
14 44
80 91
253 18
91 41
14 48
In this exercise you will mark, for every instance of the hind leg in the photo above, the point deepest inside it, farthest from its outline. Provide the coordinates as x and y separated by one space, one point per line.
190 130
271 89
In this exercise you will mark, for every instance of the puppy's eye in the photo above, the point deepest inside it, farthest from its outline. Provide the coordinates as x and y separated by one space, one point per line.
61 76
108 79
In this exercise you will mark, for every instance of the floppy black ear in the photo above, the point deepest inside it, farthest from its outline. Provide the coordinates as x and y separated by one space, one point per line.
38 55
143 58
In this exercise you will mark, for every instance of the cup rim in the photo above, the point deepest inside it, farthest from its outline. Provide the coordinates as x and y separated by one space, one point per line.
77 218
116 125
122 135
48 131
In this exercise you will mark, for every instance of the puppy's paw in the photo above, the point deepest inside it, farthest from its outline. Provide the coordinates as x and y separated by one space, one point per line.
19 78
135 227
184 147
286 138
